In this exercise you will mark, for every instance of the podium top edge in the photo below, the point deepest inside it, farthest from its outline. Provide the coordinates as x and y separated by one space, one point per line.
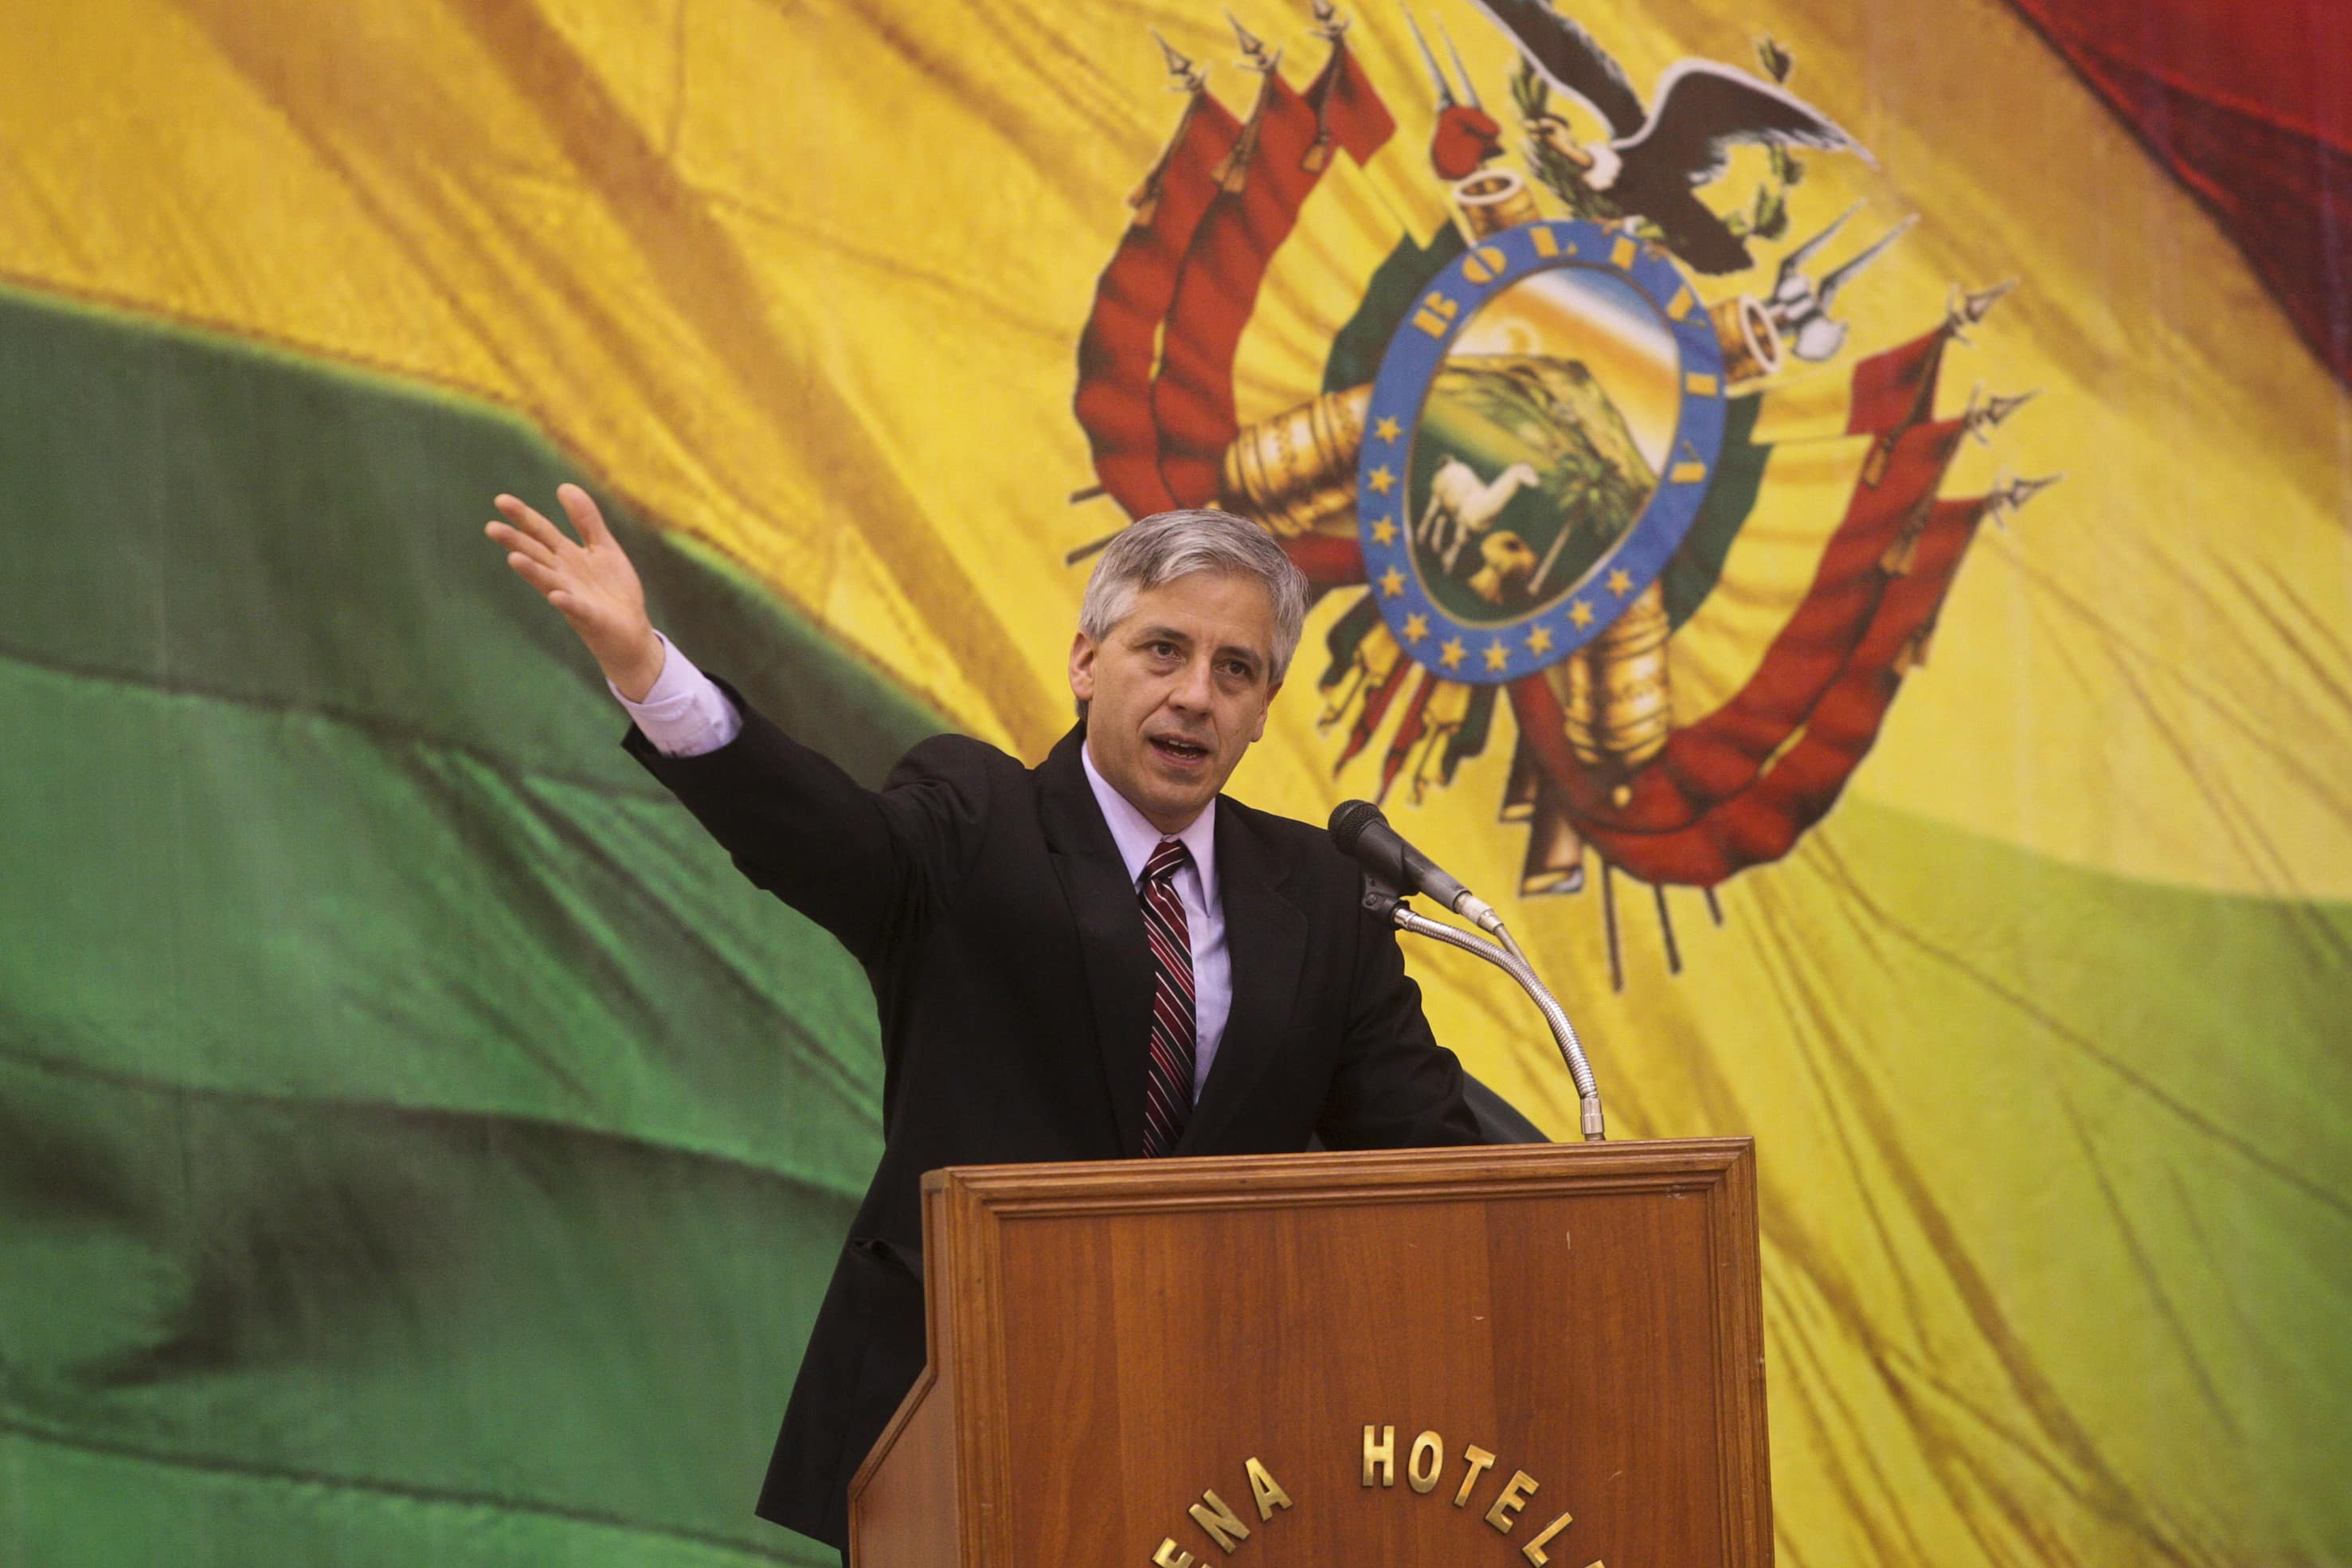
1369 1175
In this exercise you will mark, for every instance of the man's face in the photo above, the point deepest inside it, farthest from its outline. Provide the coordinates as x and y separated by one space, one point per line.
1177 691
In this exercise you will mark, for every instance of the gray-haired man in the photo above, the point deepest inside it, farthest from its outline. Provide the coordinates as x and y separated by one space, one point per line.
1097 957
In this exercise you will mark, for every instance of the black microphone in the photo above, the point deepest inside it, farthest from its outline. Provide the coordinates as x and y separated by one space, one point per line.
1359 830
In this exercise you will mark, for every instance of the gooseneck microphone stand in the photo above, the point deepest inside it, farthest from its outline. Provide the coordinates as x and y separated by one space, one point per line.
1383 898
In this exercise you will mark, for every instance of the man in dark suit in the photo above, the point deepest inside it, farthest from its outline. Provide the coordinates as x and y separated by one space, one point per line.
1098 957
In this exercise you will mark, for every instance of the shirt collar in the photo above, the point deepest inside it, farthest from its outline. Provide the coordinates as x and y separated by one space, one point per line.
1137 838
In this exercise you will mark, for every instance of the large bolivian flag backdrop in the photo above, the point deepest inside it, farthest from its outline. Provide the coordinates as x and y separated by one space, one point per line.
1834 513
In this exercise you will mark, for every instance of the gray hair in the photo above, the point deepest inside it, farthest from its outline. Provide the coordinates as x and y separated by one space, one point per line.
1166 546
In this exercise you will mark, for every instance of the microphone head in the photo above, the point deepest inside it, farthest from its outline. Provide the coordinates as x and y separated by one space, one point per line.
1349 821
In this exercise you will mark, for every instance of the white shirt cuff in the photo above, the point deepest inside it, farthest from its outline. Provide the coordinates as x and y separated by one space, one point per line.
685 714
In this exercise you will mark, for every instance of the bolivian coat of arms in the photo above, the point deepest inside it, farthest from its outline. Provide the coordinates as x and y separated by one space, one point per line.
1601 472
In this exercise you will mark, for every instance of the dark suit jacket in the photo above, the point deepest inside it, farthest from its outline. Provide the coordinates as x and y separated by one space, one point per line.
1004 941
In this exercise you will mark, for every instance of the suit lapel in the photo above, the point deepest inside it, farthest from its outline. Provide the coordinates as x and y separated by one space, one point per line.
1266 936
1109 921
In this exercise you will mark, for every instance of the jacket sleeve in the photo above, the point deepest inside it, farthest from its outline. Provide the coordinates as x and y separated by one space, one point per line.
867 865
1396 1087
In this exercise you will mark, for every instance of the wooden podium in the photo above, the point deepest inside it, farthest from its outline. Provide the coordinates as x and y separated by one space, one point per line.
1535 1354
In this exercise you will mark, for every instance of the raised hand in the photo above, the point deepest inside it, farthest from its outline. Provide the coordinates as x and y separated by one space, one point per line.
591 583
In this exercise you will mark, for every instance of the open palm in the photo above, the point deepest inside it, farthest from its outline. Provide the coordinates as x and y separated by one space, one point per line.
590 582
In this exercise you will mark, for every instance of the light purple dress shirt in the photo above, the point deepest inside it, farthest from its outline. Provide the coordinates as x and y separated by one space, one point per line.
1205 912
685 714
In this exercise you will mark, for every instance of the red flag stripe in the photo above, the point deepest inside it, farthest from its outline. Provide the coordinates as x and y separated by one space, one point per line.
1117 350
1355 118
1721 754
1192 397
1235 242
1763 822
1897 387
2246 106
1327 560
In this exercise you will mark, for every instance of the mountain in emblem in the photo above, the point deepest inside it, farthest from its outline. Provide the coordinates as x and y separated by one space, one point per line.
1586 480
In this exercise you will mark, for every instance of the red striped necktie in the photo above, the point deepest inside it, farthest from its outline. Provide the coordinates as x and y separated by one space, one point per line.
1167 1079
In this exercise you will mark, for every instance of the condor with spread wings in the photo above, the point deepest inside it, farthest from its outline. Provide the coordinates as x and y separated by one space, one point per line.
1656 157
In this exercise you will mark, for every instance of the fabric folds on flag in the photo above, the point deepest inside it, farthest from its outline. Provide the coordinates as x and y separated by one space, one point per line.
418 1145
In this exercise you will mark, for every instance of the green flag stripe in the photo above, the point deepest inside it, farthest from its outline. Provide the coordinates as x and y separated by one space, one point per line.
416 1141
72 1504
366 831
286 904
1697 564
448 1307
197 514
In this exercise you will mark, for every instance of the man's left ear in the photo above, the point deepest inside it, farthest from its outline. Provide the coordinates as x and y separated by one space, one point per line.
1273 692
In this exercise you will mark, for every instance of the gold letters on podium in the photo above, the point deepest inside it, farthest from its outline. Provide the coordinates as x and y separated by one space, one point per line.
1424 1465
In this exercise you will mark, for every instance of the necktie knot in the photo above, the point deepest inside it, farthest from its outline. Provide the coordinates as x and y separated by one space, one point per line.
1165 859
